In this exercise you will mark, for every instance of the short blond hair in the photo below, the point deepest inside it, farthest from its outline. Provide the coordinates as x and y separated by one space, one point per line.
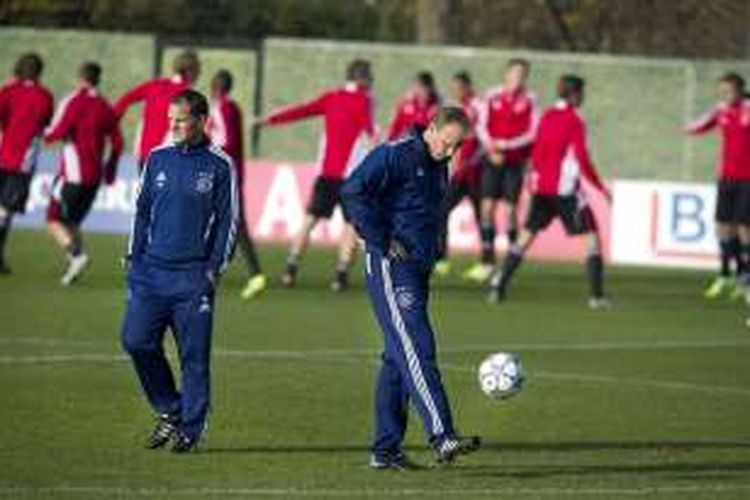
451 114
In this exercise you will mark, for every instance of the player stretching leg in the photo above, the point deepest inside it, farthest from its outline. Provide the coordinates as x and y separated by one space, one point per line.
348 115
732 116
394 201
507 130
559 158
86 122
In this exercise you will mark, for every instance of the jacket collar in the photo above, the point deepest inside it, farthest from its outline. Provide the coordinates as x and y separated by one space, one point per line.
193 148
418 132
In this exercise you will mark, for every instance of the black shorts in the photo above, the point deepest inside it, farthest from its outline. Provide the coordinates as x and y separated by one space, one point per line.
456 192
14 191
71 203
502 181
575 213
325 197
733 202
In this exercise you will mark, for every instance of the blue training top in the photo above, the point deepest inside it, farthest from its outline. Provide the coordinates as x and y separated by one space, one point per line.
186 209
397 193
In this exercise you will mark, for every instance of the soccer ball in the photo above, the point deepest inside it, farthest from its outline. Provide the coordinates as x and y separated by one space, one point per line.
501 375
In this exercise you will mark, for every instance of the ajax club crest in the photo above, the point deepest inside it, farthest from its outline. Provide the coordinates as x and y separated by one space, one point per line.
204 183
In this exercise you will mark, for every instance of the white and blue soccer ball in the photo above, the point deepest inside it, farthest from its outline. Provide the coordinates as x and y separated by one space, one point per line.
501 375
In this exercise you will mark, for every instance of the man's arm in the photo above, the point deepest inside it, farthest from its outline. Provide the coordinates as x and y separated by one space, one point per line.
4 105
132 96
483 123
588 170
216 126
63 121
115 151
226 211
397 126
704 123
360 198
49 108
370 127
142 215
296 112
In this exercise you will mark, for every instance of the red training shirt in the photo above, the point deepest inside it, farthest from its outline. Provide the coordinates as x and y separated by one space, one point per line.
734 122
410 112
153 130
225 129
560 156
86 121
25 109
348 115
509 121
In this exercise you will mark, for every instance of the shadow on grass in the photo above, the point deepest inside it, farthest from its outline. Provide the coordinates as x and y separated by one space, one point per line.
686 471
671 447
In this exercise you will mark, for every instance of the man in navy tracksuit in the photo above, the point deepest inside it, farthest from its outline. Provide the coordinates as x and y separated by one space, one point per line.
182 240
394 201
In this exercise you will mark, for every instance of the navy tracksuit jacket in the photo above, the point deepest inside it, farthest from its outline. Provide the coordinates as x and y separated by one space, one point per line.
396 193
182 239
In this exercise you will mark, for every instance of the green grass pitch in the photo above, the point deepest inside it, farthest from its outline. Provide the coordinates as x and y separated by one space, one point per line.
648 400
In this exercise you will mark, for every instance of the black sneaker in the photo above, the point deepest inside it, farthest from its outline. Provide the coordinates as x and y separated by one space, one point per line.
4 268
340 283
398 462
497 290
183 444
289 278
450 448
163 432
496 296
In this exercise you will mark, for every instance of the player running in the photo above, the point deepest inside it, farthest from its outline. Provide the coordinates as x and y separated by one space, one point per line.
86 122
182 240
348 115
25 109
559 160
507 129
464 182
732 116
394 200
417 107
226 131
156 94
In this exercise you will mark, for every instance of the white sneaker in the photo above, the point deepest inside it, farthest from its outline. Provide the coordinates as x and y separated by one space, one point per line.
75 267
599 303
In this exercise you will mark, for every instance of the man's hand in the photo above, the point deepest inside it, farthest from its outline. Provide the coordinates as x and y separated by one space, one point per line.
397 251
500 145
496 157
257 121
